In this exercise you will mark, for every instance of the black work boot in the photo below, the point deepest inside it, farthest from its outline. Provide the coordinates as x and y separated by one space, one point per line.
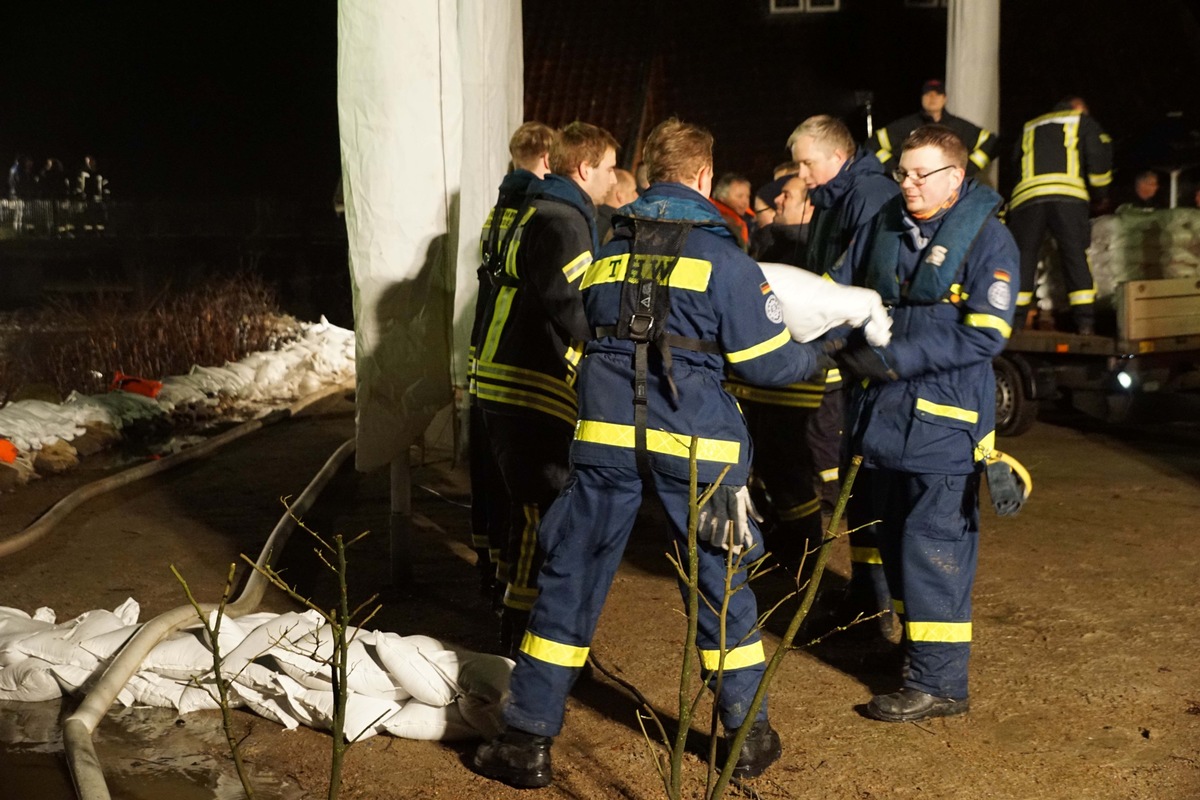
908 705
512 630
760 750
517 758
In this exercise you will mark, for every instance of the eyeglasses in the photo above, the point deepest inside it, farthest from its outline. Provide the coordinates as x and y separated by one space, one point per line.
901 175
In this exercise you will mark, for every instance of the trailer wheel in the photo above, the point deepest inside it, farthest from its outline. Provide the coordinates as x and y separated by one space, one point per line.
1015 411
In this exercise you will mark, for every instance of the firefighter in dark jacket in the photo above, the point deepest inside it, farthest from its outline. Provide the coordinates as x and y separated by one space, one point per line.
1065 160
531 337
980 142
672 302
923 407
529 149
848 187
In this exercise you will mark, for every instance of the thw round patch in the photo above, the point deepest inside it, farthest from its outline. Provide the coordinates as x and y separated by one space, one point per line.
774 310
1000 295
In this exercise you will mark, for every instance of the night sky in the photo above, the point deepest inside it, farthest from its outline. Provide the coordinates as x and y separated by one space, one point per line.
205 100
196 100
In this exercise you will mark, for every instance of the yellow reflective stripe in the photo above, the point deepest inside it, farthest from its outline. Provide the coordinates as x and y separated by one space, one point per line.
527 377
828 475
501 309
776 397
738 658
884 153
866 555
576 266
833 376
988 321
530 400
1027 153
528 548
510 258
985 446
950 632
898 606
981 138
1082 297
801 511
574 353
1024 298
690 274
979 159
953 412
562 655
1100 179
1071 142
761 349
722 451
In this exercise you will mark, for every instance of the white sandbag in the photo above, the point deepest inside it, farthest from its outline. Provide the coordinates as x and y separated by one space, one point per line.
268 703
70 677
269 633
430 723
403 658
365 716
180 656
106 644
812 305
29 681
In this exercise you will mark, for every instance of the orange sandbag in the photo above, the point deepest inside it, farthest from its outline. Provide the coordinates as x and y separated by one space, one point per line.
129 383
8 451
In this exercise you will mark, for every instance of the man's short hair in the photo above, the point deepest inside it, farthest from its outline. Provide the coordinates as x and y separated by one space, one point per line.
785 168
1145 175
529 142
676 151
828 132
942 138
726 182
579 143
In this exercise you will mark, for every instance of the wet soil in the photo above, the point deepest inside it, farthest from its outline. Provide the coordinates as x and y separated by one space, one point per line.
1084 666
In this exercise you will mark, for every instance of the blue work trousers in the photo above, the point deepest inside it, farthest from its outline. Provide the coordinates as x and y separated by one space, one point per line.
929 541
584 534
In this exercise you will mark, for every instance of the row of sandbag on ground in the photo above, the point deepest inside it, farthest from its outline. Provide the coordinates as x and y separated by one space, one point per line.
277 665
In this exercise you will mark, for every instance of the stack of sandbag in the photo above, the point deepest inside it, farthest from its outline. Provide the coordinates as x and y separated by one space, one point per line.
278 665
1131 245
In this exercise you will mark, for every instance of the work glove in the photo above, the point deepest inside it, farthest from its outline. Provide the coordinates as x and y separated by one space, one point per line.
725 519
823 354
862 360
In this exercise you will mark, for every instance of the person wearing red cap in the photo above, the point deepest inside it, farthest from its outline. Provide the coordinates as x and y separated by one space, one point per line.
980 142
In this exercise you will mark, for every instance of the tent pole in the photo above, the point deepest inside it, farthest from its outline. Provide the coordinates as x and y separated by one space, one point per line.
400 523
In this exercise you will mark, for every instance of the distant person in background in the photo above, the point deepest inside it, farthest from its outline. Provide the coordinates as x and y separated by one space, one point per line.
52 181
21 180
764 198
980 142
731 196
624 191
785 239
90 185
1065 161
1145 192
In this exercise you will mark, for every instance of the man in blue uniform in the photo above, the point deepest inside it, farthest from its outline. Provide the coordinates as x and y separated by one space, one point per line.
530 341
672 301
529 148
847 186
923 407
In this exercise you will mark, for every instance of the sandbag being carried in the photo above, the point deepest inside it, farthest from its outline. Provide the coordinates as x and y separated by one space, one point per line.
812 305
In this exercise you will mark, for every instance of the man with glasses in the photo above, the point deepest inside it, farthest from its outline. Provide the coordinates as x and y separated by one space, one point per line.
847 186
980 141
923 407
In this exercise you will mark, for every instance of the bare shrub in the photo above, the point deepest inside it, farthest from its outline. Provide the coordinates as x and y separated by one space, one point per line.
77 345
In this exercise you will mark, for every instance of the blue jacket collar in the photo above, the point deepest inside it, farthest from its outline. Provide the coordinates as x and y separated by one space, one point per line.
565 190
863 163
677 203
517 182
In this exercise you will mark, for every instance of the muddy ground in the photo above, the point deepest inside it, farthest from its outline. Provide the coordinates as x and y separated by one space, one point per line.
1084 671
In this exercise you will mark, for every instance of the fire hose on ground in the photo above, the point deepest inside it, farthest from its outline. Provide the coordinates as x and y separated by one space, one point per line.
84 764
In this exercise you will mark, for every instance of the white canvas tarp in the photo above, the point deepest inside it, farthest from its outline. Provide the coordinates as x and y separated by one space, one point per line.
428 94
973 62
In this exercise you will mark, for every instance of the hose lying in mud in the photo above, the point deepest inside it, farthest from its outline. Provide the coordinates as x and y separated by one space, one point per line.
78 728
60 510
86 771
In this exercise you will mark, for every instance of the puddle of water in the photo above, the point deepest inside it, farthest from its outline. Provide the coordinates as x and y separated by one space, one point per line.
146 754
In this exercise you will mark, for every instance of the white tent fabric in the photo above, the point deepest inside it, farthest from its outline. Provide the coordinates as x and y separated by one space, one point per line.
428 91
973 61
